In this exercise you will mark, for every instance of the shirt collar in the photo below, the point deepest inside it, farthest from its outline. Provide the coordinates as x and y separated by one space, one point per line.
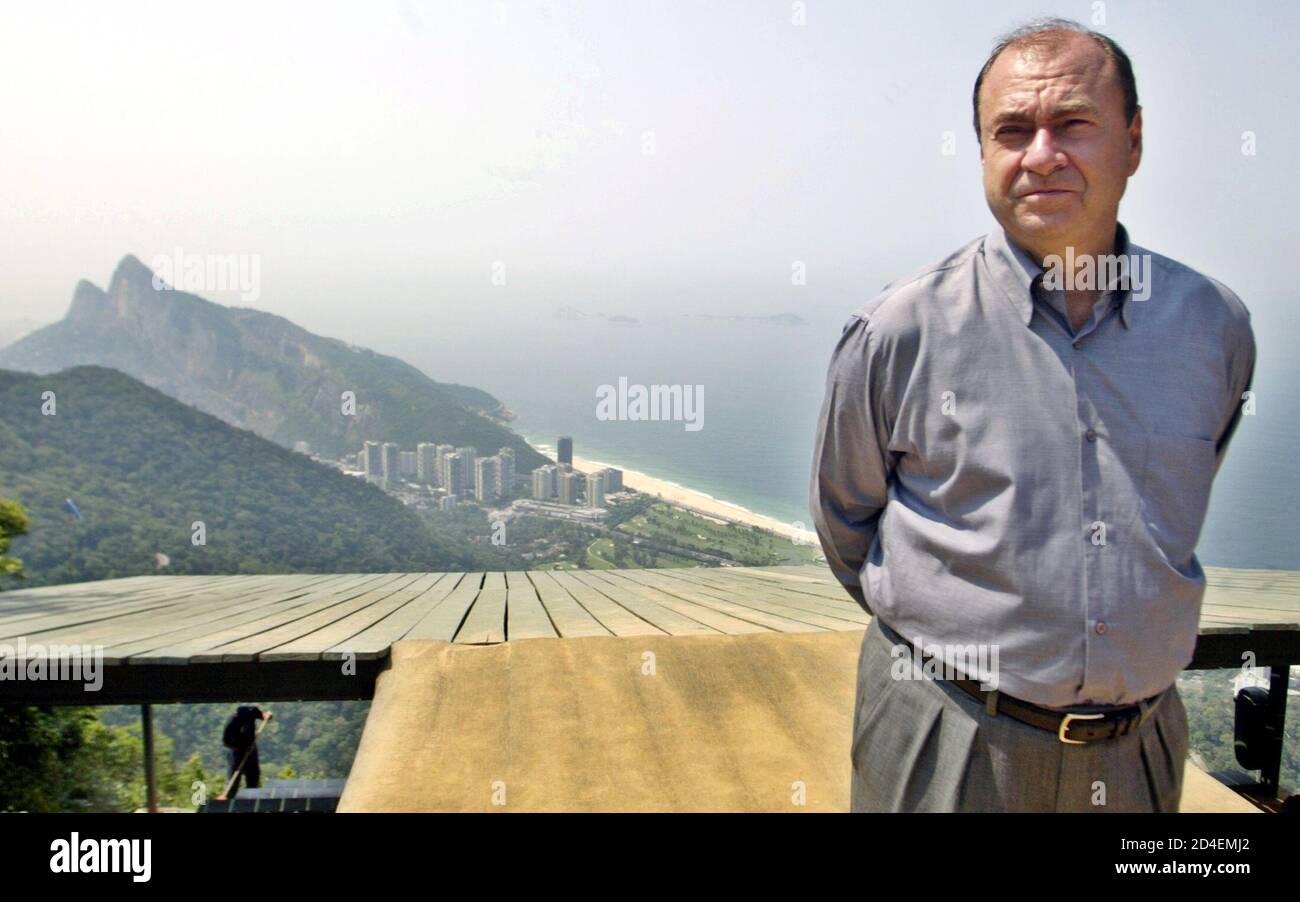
1018 274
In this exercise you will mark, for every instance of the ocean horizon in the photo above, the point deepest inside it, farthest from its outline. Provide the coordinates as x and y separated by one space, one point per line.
762 384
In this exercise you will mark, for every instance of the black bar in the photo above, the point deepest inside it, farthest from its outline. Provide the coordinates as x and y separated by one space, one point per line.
143 684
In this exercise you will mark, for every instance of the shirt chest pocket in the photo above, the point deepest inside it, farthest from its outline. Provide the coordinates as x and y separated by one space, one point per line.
1175 494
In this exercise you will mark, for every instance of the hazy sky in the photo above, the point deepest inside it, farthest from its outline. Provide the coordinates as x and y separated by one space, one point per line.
379 157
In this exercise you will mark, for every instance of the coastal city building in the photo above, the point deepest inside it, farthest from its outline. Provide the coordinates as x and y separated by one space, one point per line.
455 473
391 457
595 490
544 482
372 460
566 487
446 502
468 455
559 511
485 479
564 451
426 454
406 463
440 454
505 472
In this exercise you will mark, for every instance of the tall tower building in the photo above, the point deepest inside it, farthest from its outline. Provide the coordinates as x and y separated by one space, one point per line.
426 454
595 490
457 479
439 455
567 487
372 459
564 451
544 482
485 478
468 455
407 462
505 471
392 461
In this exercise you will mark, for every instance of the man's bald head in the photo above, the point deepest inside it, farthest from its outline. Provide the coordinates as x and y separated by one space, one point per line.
1048 36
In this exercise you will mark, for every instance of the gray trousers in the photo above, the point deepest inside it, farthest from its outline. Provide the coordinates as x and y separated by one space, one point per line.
925 745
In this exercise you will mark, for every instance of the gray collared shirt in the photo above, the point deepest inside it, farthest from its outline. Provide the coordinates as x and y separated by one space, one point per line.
982 475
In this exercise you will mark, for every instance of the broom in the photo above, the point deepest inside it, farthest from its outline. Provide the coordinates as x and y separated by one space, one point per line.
240 769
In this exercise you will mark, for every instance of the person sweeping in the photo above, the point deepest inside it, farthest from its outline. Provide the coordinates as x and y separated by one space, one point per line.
240 740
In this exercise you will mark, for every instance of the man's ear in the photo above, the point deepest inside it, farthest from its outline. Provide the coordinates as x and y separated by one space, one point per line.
1135 142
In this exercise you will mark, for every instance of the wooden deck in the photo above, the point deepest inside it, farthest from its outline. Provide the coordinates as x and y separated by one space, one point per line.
194 638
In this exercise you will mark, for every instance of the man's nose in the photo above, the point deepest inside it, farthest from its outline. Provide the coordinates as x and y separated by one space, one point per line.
1043 157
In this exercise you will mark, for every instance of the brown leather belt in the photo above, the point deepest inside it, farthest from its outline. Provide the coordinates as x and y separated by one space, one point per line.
1072 728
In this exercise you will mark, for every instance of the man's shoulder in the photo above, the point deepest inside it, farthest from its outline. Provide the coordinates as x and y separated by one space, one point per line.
899 305
1205 292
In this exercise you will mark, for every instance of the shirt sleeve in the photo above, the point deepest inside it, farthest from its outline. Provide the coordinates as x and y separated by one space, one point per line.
1241 376
851 458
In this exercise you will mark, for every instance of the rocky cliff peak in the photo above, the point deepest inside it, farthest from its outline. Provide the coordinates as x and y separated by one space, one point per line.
87 301
130 271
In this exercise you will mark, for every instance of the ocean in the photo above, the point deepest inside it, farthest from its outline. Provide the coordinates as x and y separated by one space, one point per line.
762 386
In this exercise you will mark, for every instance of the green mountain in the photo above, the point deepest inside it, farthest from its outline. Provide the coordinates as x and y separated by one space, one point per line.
261 372
141 468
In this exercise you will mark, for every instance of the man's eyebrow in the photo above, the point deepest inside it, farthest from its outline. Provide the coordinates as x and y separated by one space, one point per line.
1057 111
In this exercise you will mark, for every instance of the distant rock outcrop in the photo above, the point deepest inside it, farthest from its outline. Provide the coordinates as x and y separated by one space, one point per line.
260 371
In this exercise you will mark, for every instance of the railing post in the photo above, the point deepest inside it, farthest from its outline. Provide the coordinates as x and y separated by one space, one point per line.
151 784
1271 773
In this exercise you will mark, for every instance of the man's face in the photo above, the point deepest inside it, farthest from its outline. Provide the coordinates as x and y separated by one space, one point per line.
1056 149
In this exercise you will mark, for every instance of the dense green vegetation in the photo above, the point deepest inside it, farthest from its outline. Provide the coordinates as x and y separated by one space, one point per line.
667 527
13 522
1208 698
141 468
67 759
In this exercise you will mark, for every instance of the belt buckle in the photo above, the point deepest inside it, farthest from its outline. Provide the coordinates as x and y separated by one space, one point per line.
1065 726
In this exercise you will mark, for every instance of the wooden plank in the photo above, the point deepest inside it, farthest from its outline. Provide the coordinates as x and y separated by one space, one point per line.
375 640
842 606
200 623
526 618
486 623
142 624
59 590
800 587
337 635
250 648
443 621
570 618
608 613
153 599
769 614
679 617
330 592
156 588
791 593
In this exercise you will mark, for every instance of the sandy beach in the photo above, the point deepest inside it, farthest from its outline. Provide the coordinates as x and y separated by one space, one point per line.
700 502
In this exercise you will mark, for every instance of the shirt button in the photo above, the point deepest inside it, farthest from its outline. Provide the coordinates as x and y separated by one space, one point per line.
1101 627
1078 343
1091 435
